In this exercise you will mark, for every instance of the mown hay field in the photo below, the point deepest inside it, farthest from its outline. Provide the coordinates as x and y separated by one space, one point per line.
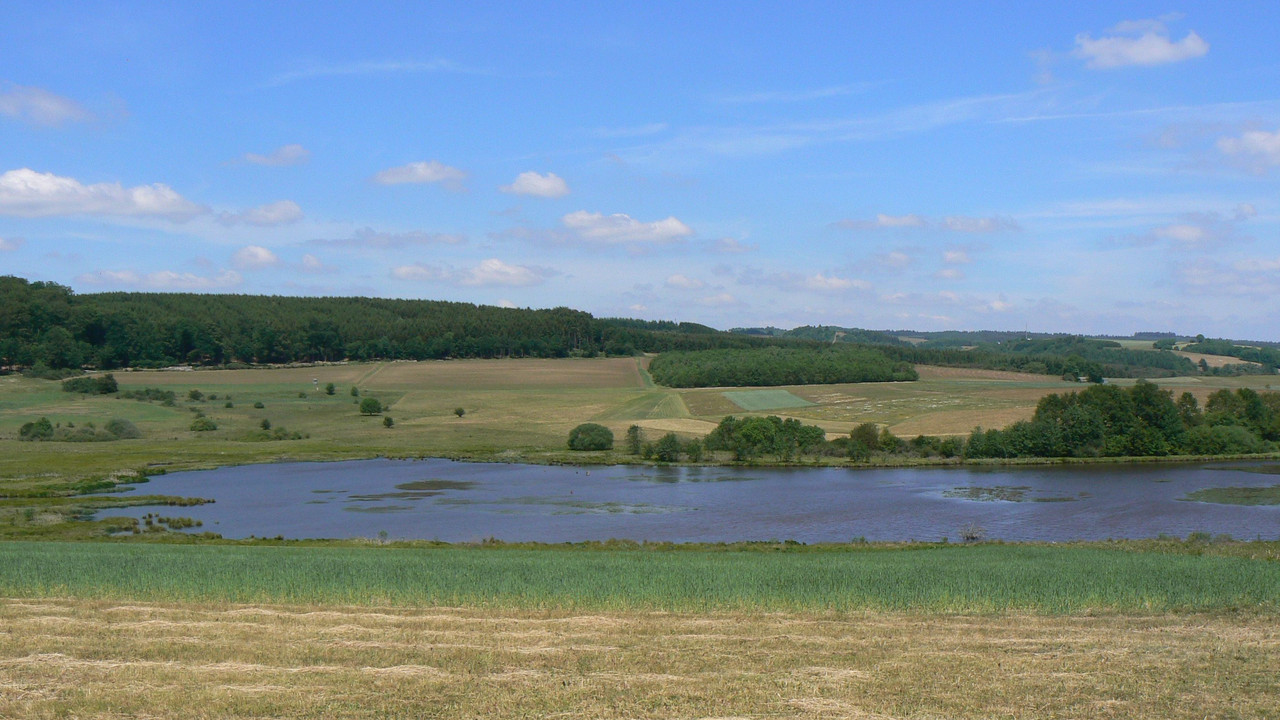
65 657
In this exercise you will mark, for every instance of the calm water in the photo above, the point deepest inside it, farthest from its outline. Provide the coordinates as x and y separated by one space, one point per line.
452 501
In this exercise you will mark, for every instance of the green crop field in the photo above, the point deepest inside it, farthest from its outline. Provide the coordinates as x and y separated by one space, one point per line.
964 579
760 400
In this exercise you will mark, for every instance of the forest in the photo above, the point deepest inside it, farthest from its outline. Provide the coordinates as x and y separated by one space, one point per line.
777 366
46 324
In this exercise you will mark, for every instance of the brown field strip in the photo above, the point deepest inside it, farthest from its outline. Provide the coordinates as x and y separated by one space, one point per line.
97 659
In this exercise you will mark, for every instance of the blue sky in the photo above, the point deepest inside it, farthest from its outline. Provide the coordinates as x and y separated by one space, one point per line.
1100 168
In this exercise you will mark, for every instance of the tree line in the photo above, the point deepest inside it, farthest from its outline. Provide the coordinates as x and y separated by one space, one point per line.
46 324
1139 421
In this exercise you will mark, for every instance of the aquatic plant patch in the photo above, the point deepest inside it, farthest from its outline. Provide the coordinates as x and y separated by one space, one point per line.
1269 495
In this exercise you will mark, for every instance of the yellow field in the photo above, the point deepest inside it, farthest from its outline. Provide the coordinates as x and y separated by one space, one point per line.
97 659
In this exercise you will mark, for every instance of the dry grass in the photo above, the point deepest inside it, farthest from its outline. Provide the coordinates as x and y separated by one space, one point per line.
89 659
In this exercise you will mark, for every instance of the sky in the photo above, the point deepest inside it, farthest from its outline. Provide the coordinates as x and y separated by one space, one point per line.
1101 168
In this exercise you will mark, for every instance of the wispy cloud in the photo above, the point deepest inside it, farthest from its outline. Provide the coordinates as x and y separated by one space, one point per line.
38 106
282 156
1257 150
368 238
281 212
750 141
488 273
371 67
791 96
951 223
10 244
162 280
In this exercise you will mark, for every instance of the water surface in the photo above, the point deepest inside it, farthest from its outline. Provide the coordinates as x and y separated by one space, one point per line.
462 502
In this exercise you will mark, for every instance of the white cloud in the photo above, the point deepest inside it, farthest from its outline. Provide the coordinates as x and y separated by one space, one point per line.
531 183
1199 231
637 307
311 263
253 257
1138 42
504 303
281 212
496 272
40 107
418 272
1257 149
28 193
422 172
684 282
370 238
949 274
620 229
955 257
10 244
162 280
280 157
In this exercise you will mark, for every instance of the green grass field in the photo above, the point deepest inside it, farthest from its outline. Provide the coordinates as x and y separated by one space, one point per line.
760 400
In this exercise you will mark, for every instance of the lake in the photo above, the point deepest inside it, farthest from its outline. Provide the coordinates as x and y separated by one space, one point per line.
463 502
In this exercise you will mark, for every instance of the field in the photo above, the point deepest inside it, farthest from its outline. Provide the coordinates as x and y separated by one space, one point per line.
1162 629
113 630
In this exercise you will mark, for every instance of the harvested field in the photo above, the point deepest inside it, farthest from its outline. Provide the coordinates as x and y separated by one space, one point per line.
96 659
1213 360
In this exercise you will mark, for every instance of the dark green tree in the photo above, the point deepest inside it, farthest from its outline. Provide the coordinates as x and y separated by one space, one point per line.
590 436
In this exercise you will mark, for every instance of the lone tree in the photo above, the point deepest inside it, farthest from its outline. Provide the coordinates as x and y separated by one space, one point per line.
329 389
634 440
370 406
591 436
459 411
388 422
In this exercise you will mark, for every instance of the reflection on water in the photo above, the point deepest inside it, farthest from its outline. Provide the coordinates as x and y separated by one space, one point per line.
460 502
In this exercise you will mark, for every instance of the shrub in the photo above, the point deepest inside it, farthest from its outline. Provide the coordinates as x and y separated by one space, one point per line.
329 389
370 406
355 392
459 411
203 424
388 422
635 439
104 385
195 395
591 436
265 424
258 405
41 429
123 429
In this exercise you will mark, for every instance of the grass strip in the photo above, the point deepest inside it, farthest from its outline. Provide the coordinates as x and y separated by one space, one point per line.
962 579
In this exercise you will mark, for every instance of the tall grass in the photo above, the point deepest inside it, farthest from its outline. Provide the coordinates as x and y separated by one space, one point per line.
948 579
